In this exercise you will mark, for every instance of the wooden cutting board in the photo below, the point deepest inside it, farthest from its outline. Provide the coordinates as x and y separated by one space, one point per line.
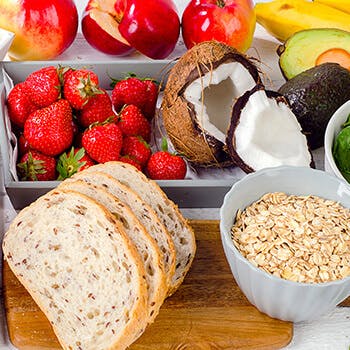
207 312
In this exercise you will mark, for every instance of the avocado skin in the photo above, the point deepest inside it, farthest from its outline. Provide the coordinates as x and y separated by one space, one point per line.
314 95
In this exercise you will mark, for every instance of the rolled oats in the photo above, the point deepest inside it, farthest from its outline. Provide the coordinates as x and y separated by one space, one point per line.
299 238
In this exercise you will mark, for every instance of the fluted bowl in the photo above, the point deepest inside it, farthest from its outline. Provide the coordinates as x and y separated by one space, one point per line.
277 297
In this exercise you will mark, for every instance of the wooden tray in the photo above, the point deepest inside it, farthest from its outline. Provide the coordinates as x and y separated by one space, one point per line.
207 312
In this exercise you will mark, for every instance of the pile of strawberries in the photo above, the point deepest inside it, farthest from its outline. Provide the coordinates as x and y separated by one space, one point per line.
66 122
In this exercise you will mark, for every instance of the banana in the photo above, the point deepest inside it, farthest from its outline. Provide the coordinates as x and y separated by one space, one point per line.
283 18
342 5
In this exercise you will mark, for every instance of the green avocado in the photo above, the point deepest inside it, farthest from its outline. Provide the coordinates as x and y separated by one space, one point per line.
314 95
301 50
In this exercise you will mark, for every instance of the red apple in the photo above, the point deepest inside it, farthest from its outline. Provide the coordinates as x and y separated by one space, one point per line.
229 21
152 27
100 28
116 26
43 28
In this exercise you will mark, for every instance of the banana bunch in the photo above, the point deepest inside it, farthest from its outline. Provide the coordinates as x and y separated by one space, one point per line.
283 18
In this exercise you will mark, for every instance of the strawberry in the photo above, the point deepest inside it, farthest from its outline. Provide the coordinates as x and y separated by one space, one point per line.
97 109
103 142
49 130
133 123
19 104
137 148
44 86
23 145
129 91
79 85
132 161
164 165
149 107
72 162
35 166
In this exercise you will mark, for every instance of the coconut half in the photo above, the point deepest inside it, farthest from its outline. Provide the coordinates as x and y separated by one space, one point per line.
264 132
199 95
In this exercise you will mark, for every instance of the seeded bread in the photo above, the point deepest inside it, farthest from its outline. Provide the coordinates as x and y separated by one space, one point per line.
149 191
144 242
81 269
142 210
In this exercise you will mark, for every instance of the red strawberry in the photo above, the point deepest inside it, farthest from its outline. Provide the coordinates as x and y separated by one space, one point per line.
23 145
103 142
44 86
97 109
149 107
129 91
134 123
79 85
35 166
132 161
19 104
72 162
49 130
163 165
137 148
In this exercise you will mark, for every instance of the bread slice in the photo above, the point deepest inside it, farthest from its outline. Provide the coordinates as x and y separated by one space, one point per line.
180 231
143 241
81 269
143 212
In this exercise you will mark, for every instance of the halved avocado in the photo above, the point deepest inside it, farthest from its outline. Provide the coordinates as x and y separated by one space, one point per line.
264 132
302 49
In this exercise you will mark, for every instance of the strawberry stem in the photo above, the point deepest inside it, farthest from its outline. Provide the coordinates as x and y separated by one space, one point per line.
164 145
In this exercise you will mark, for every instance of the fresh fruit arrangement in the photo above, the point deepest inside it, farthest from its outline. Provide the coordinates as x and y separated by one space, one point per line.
65 122
218 113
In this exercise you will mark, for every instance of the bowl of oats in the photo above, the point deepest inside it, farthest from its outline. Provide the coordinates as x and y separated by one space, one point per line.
286 236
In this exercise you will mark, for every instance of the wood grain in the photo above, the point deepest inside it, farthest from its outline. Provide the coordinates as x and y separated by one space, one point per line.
207 312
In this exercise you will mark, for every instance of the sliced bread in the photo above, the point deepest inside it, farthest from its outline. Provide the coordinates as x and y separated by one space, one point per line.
144 242
150 192
82 270
142 210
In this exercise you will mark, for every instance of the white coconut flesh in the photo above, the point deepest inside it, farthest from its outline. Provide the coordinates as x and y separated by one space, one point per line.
213 95
268 134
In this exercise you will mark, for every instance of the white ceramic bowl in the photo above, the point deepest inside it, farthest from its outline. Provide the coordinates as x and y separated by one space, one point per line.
277 297
333 128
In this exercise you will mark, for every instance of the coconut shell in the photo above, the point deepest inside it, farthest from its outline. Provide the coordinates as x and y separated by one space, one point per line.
178 114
